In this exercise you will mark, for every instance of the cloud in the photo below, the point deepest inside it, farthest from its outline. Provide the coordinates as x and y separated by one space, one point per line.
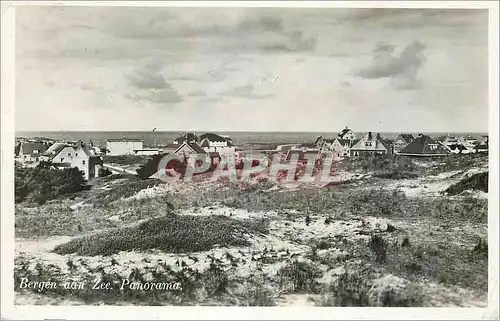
150 85
414 18
212 75
293 41
247 91
386 64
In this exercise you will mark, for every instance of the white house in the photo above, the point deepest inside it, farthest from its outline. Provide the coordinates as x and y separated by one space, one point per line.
123 146
370 145
340 147
28 153
80 156
214 143
402 141
347 133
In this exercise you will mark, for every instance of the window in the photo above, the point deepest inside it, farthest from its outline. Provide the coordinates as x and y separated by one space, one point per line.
76 154
83 162
62 159
368 143
69 154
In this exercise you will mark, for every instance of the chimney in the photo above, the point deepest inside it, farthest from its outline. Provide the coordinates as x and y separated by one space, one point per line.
378 136
369 135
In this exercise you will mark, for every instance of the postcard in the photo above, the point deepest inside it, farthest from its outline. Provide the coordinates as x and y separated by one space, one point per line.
253 160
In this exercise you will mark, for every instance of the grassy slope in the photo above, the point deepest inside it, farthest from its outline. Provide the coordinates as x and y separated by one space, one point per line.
171 233
444 236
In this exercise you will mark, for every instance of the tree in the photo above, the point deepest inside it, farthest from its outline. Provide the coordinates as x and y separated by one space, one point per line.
44 183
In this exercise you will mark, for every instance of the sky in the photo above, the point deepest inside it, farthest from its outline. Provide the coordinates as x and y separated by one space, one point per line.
251 69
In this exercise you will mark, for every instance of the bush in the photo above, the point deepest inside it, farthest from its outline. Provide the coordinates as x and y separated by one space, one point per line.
300 276
392 291
171 233
150 167
350 289
103 172
379 247
43 183
477 181
257 295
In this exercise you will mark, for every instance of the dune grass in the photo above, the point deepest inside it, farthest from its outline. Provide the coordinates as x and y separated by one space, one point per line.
478 182
171 233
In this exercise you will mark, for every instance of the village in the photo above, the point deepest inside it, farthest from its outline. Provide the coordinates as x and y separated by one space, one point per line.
402 219
91 160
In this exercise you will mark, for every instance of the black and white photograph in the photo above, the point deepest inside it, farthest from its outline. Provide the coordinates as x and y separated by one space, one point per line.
251 156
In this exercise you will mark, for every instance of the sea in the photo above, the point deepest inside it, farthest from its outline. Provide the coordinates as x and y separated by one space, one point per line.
241 139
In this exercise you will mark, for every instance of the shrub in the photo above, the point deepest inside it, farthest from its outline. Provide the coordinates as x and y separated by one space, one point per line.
171 233
379 247
43 183
480 250
392 291
477 181
349 289
300 276
150 167
103 172
257 295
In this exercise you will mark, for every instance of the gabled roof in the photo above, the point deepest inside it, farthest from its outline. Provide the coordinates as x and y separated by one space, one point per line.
344 132
213 137
54 149
344 142
87 150
421 146
29 148
216 138
193 146
408 138
378 143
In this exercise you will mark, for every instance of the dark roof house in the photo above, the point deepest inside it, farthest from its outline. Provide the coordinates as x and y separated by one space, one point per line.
190 146
346 133
423 145
31 149
407 138
211 137
370 144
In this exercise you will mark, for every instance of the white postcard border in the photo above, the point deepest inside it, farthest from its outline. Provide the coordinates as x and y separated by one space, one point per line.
9 311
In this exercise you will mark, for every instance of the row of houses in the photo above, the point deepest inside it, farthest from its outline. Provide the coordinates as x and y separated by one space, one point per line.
61 155
87 157
347 144
206 143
